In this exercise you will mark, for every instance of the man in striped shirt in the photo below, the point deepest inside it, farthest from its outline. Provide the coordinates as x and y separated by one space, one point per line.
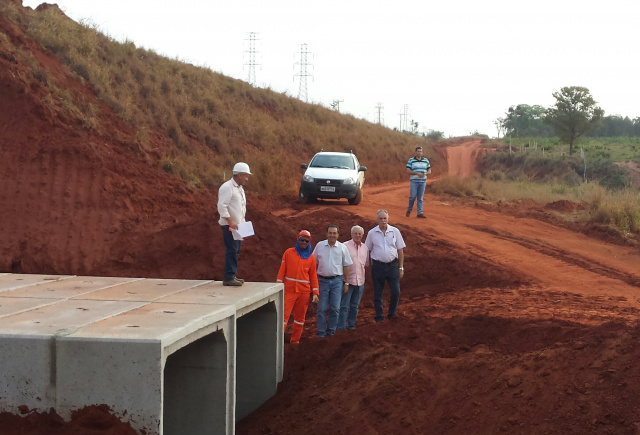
418 167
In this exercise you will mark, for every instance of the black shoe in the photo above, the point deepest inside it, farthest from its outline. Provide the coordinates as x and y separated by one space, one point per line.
408 214
421 216
233 283
240 279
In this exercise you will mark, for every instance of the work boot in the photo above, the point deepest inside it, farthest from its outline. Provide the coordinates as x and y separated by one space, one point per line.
420 215
240 279
233 282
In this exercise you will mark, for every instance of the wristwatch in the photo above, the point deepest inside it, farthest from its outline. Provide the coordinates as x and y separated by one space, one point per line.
401 268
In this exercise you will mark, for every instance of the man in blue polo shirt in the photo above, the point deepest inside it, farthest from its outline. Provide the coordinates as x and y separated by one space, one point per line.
418 167
386 250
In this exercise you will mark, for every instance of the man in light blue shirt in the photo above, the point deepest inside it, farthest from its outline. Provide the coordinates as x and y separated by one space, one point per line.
386 250
418 167
333 260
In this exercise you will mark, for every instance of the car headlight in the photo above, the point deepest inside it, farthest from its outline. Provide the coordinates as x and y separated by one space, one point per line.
308 178
349 180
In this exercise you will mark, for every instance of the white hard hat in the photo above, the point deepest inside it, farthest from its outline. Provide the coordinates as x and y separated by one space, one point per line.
241 168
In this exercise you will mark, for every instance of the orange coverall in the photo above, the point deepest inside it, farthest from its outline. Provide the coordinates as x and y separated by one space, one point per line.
300 278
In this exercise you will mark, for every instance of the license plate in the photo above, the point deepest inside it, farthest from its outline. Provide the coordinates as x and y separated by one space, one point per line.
327 188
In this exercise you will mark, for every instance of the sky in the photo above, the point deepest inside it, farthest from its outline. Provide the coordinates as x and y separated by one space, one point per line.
453 66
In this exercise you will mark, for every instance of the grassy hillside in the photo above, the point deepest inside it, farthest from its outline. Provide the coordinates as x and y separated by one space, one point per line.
610 193
196 123
617 149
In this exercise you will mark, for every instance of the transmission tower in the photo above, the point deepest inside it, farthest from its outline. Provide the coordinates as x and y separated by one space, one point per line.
379 113
404 118
303 74
252 58
336 105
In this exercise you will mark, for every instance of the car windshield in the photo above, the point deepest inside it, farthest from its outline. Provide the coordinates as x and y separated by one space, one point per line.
332 161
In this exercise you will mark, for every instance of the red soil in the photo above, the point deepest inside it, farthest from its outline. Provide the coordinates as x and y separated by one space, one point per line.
508 322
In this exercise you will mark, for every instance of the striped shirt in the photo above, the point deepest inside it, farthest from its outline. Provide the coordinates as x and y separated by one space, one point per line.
421 166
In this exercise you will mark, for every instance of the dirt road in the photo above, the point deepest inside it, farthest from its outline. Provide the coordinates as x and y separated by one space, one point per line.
508 324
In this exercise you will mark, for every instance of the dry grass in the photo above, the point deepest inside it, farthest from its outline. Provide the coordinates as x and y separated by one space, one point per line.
619 209
212 121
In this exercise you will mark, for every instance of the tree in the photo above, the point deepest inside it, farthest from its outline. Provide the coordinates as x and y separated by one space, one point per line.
499 123
574 114
414 126
614 126
524 120
434 135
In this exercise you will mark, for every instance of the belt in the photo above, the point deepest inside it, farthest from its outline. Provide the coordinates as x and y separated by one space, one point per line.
395 260
329 277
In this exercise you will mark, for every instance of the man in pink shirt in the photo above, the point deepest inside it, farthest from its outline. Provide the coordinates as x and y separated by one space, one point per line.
351 299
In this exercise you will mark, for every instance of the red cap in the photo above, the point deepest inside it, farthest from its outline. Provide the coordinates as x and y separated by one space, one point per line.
304 233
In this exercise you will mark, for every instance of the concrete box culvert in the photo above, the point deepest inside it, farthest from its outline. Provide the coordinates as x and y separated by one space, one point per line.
169 356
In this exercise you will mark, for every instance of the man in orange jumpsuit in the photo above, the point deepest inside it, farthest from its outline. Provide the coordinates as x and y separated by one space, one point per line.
298 272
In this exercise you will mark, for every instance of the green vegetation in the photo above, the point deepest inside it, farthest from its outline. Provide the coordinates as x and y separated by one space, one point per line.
619 209
557 168
212 121
574 114
617 149
610 194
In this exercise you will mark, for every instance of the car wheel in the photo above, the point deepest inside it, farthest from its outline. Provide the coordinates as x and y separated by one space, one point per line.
356 199
302 198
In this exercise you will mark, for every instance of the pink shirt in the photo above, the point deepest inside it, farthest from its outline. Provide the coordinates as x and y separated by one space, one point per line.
360 258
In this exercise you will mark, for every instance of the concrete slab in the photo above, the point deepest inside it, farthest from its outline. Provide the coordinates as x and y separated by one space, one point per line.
67 288
12 306
169 356
143 290
13 281
63 317
156 321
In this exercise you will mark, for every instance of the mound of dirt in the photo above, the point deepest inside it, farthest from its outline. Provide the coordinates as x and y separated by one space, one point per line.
92 420
564 206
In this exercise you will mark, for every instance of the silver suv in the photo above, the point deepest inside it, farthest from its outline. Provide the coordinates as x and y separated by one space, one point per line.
332 175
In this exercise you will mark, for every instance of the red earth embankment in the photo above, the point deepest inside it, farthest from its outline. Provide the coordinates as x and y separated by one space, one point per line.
508 324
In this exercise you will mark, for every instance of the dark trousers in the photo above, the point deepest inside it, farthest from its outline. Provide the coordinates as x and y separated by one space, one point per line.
232 251
381 273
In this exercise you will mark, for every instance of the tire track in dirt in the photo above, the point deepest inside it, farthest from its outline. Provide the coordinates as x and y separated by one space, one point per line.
558 253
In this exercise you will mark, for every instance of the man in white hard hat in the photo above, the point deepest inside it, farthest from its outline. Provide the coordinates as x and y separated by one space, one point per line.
232 207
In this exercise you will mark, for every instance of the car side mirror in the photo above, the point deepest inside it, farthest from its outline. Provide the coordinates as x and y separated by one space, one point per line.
304 166
362 168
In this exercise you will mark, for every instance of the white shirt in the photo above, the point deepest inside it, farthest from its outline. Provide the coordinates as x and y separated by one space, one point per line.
384 246
232 202
331 259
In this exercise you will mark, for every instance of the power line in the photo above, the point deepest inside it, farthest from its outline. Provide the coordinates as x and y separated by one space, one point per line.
336 105
406 118
252 58
303 74
379 113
